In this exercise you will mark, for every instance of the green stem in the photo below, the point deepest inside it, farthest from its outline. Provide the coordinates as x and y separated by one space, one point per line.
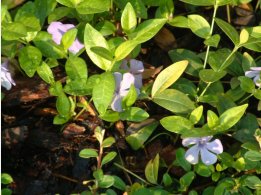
135 175
228 57
245 98
210 33
204 91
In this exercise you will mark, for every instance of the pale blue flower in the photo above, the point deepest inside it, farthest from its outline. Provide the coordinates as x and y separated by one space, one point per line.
6 77
254 73
136 68
123 84
202 146
57 29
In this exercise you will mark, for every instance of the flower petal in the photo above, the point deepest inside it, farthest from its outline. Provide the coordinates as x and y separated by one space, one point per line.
215 146
255 68
257 80
126 82
136 66
251 73
118 79
207 157
138 81
124 65
76 46
57 31
116 103
192 155
190 140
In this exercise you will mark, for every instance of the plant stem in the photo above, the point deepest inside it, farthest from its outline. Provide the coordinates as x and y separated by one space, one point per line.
135 175
210 33
245 99
228 57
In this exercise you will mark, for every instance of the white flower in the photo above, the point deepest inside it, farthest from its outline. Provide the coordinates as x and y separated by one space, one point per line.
254 73
6 77
203 147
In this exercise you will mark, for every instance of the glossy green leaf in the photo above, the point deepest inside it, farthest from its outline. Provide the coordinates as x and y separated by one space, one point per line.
151 170
186 86
223 2
134 114
93 38
199 2
246 84
6 191
30 58
68 3
179 21
106 182
68 38
119 183
45 72
247 61
210 76
212 41
186 180
253 182
124 49
204 170
103 52
131 97
217 59
106 27
63 105
167 180
199 26
243 36
108 158
30 22
180 158
108 142
212 119
93 7
98 174
168 76
43 9
77 87
239 164
13 31
137 140
103 92
196 115
6 178
253 155
229 30
174 100
128 18
76 68
176 124
111 116
88 153
58 13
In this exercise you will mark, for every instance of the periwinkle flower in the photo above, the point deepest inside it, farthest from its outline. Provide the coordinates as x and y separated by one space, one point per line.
202 146
123 84
136 68
6 77
254 73
57 29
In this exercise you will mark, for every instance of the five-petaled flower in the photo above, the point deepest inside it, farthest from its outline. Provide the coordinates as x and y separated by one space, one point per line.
57 29
254 73
6 77
136 68
123 84
203 147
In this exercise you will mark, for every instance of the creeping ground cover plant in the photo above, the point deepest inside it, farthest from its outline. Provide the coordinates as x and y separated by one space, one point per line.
131 97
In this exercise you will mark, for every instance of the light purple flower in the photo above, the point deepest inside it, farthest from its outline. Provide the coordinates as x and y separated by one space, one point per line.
254 73
136 68
123 84
57 29
6 77
202 146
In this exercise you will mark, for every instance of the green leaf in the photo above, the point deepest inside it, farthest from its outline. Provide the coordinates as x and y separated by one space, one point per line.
108 157
76 68
134 114
174 100
204 170
195 62
196 115
108 142
6 191
68 38
77 87
223 2
67 3
151 170
210 76
246 84
43 9
13 31
98 174
111 116
247 61
119 183
217 58
131 97
239 164
200 2
30 22
93 38
167 180
93 7
30 58
128 18
199 26
45 72
6 178
212 41
229 30
106 182
243 36
253 155
124 49
103 52
186 180
63 105
58 13
179 21
231 116
88 153
56 88
137 140
253 182
168 76
146 30
176 124
180 157
106 27
186 86
212 119
103 92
